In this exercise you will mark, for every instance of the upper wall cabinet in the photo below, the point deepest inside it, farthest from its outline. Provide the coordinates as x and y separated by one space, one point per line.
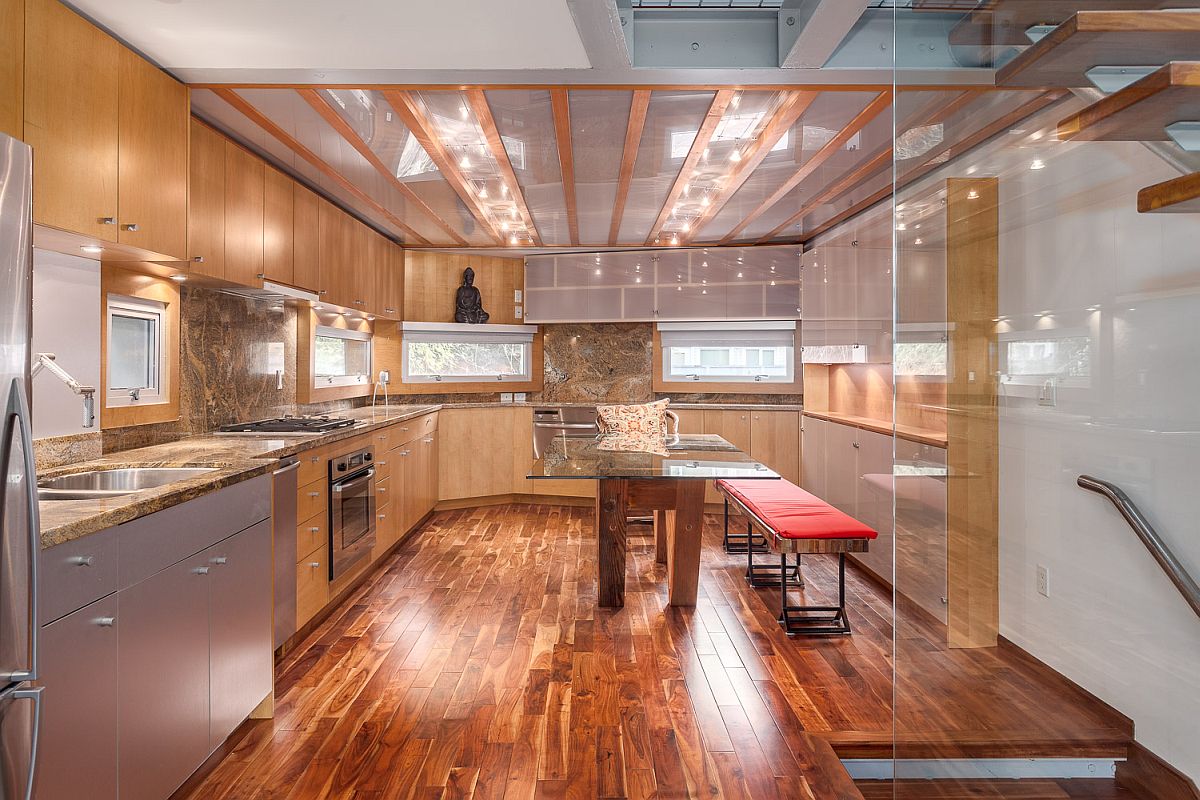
306 270
245 174
12 67
109 135
278 227
697 284
206 201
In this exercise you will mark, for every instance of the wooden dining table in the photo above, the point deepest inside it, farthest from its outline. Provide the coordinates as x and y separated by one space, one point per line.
662 474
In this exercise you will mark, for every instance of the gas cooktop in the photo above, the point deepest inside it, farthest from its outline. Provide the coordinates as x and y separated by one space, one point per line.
289 425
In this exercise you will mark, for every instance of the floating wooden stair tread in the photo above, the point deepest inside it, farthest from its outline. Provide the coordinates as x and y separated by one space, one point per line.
1004 22
1141 111
1104 38
1177 196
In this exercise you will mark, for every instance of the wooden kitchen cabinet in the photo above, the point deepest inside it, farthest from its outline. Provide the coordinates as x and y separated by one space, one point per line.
389 281
245 176
774 440
241 651
306 257
278 227
484 452
12 68
734 427
335 254
79 653
152 157
813 471
206 201
163 679
71 119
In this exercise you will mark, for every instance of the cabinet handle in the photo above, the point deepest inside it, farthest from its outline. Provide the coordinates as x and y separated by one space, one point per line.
314 494
83 561
428 441
108 220
200 571
315 529
404 453
132 226
220 560
383 516
314 564
855 445
389 311
198 259
381 463
106 622
381 489
314 459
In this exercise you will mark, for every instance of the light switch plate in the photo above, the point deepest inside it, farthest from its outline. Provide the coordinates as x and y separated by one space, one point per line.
506 397
518 312
519 397
517 295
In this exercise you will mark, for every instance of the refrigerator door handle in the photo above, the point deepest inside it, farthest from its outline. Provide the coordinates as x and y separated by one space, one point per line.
34 694
17 414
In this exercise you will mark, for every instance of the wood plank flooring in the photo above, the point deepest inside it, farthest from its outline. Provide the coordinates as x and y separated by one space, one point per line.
476 663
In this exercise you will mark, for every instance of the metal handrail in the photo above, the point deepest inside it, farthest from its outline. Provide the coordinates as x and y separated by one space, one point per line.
1145 531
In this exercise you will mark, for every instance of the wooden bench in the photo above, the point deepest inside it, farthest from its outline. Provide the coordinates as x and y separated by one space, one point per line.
790 520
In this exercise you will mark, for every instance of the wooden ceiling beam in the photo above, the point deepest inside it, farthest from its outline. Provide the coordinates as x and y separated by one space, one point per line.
860 121
785 116
287 140
703 136
483 115
339 124
409 111
638 107
936 110
561 107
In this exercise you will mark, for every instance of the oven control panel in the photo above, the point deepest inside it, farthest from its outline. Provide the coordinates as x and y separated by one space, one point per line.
352 462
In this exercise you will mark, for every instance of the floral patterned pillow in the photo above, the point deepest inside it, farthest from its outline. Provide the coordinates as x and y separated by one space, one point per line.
650 418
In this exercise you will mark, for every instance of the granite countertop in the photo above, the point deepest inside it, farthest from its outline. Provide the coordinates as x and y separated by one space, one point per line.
685 406
234 458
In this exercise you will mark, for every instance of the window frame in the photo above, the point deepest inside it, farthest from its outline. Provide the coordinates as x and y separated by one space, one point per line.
140 308
664 381
418 332
341 381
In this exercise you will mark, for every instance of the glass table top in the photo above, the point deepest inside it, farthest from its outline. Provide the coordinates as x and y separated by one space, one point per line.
697 456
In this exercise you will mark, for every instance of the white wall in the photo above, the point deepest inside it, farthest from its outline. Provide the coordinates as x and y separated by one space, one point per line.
66 322
1072 240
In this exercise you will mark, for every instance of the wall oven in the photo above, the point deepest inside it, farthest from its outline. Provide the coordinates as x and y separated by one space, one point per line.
351 510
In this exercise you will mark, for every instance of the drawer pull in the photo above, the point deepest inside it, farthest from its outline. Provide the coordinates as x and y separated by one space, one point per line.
220 560
314 459
383 516
381 489
381 463
314 564
314 494
200 571
315 529
106 622
83 561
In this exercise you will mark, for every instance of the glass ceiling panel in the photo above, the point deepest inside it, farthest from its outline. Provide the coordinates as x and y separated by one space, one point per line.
380 127
875 137
672 121
599 120
295 116
741 125
828 114
526 124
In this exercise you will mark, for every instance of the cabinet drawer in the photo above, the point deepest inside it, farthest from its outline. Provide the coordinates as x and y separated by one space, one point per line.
157 541
383 464
383 491
407 431
77 573
314 465
312 499
310 535
312 585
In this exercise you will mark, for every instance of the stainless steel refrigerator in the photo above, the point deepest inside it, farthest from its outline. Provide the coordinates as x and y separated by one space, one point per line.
20 703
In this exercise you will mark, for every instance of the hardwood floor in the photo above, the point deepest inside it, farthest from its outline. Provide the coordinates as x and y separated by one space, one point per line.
476 663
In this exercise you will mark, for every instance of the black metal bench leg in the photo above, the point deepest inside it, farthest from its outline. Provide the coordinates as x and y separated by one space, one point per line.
740 542
763 575
800 620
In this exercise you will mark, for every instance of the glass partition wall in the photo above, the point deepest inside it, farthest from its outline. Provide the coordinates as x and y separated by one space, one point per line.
1045 346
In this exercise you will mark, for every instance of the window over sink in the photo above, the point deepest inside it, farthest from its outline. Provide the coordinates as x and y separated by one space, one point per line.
341 357
731 352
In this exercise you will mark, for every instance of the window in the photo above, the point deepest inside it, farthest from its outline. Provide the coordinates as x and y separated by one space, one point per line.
740 352
1032 357
342 358
437 353
135 353
922 350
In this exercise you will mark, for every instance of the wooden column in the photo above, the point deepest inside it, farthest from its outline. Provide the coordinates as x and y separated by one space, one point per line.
612 504
972 503
660 536
685 522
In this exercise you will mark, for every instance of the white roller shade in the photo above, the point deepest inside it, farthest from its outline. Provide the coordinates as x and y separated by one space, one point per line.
479 334
732 334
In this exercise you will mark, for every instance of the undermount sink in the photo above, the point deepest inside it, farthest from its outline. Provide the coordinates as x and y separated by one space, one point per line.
113 482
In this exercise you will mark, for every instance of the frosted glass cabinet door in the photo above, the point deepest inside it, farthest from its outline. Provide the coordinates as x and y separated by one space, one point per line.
841 294
874 499
873 302
813 455
812 300
841 467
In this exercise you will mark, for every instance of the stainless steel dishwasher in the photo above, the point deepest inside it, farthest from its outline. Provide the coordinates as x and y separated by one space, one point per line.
283 532
550 423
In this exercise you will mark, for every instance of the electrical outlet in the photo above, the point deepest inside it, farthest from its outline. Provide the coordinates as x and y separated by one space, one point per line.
506 397
385 377
1043 580
519 397
517 312
516 295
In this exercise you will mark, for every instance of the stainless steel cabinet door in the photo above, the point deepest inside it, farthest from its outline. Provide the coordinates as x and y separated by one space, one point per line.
162 688
19 709
875 499
77 751
841 467
813 454
241 653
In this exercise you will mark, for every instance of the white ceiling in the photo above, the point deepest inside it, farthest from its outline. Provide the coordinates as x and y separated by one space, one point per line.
346 34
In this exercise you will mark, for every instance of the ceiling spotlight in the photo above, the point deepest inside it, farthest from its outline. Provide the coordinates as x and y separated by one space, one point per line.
739 274
1037 164
772 283
704 263
464 163
637 280
504 190
504 225
704 155
918 241
483 193
512 239
735 156
462 112
704 201
901 226
674 239
972 195
91 248
597 272
686 226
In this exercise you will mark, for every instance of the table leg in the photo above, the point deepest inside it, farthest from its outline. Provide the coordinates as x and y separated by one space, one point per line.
684 526
612 506
660 536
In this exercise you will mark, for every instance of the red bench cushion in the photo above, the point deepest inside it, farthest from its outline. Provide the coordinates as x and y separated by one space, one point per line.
794 513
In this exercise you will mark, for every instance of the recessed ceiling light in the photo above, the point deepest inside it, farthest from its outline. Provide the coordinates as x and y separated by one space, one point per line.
512 239
735 156
464 163
91 248
1037 164
918 241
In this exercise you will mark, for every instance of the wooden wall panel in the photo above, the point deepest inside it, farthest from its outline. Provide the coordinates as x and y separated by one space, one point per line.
972 504
12 67
432 279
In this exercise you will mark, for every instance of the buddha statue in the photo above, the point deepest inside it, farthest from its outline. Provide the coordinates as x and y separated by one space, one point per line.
468 303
